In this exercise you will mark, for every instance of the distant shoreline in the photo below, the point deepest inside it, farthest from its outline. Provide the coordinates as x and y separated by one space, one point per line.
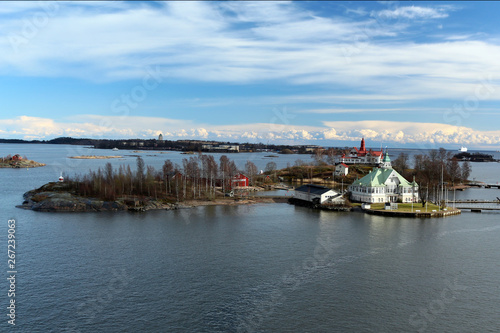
93 157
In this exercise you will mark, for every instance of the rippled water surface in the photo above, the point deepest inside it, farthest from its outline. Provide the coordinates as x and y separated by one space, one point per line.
258 268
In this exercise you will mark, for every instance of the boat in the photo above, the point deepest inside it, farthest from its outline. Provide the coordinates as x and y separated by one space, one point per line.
463 149
115 149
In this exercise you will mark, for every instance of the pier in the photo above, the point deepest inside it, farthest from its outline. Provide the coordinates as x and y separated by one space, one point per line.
484 185
474 201
476 206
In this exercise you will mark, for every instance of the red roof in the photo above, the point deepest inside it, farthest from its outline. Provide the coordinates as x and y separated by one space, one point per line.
345 165
361 153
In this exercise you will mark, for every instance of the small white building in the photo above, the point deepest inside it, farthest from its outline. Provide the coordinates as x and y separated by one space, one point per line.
219 147
317 194
341 169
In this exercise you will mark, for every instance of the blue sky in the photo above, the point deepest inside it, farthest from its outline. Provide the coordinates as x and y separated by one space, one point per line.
419 74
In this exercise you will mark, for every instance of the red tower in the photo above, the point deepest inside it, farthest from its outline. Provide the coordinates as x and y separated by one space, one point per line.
362 149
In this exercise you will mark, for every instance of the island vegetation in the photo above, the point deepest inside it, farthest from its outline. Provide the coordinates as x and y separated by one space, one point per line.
435 171
474 157
175 145
202 178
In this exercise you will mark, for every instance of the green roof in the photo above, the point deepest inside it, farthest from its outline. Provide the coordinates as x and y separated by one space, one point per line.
378 177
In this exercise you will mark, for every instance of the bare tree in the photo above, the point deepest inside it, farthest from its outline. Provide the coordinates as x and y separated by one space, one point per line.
401 163
453 170
331 154
271 167
212 172
140 173
466 170
224 169
168 168
251 171
318 156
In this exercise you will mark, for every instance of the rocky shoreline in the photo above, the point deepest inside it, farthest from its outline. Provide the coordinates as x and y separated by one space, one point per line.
20 164
52 197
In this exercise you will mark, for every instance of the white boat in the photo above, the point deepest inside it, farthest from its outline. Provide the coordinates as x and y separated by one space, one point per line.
463 149
115 149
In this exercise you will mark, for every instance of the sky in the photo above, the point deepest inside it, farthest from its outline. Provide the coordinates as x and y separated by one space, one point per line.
400 74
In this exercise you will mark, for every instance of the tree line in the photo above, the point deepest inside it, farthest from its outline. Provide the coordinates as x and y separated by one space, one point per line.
197 178
433 171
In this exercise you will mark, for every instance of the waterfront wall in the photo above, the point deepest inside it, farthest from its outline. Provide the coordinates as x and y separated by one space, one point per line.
414 214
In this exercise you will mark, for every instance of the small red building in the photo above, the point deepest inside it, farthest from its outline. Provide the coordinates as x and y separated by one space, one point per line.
239 180
17 157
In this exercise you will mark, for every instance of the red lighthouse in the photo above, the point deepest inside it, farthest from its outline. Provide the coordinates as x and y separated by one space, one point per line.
362 148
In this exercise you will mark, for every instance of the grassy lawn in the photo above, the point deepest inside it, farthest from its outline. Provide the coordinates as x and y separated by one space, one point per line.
406 207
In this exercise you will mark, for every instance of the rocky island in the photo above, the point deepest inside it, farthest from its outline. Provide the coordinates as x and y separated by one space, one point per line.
58 197
18 162
144 189
474 157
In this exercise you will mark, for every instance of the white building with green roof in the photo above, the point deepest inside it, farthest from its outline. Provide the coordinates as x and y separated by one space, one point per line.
384 184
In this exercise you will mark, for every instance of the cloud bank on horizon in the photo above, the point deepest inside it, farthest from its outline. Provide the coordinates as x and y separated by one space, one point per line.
284 72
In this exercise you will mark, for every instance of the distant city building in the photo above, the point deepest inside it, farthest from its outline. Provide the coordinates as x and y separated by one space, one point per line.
361 156
341 169
310 148
218 148
160 137
384 184
317 194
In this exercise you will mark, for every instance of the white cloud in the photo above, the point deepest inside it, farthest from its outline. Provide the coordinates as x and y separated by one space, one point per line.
412 12
206 41
368 109
413 133
241 42
378 132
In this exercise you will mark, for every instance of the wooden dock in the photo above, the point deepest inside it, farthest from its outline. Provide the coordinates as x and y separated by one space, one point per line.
483 185
477 208
474 201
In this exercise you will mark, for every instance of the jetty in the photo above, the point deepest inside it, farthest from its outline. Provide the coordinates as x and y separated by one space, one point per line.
478 206
475 201
483 185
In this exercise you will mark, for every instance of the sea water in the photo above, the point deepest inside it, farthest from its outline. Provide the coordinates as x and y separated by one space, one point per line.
253 268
